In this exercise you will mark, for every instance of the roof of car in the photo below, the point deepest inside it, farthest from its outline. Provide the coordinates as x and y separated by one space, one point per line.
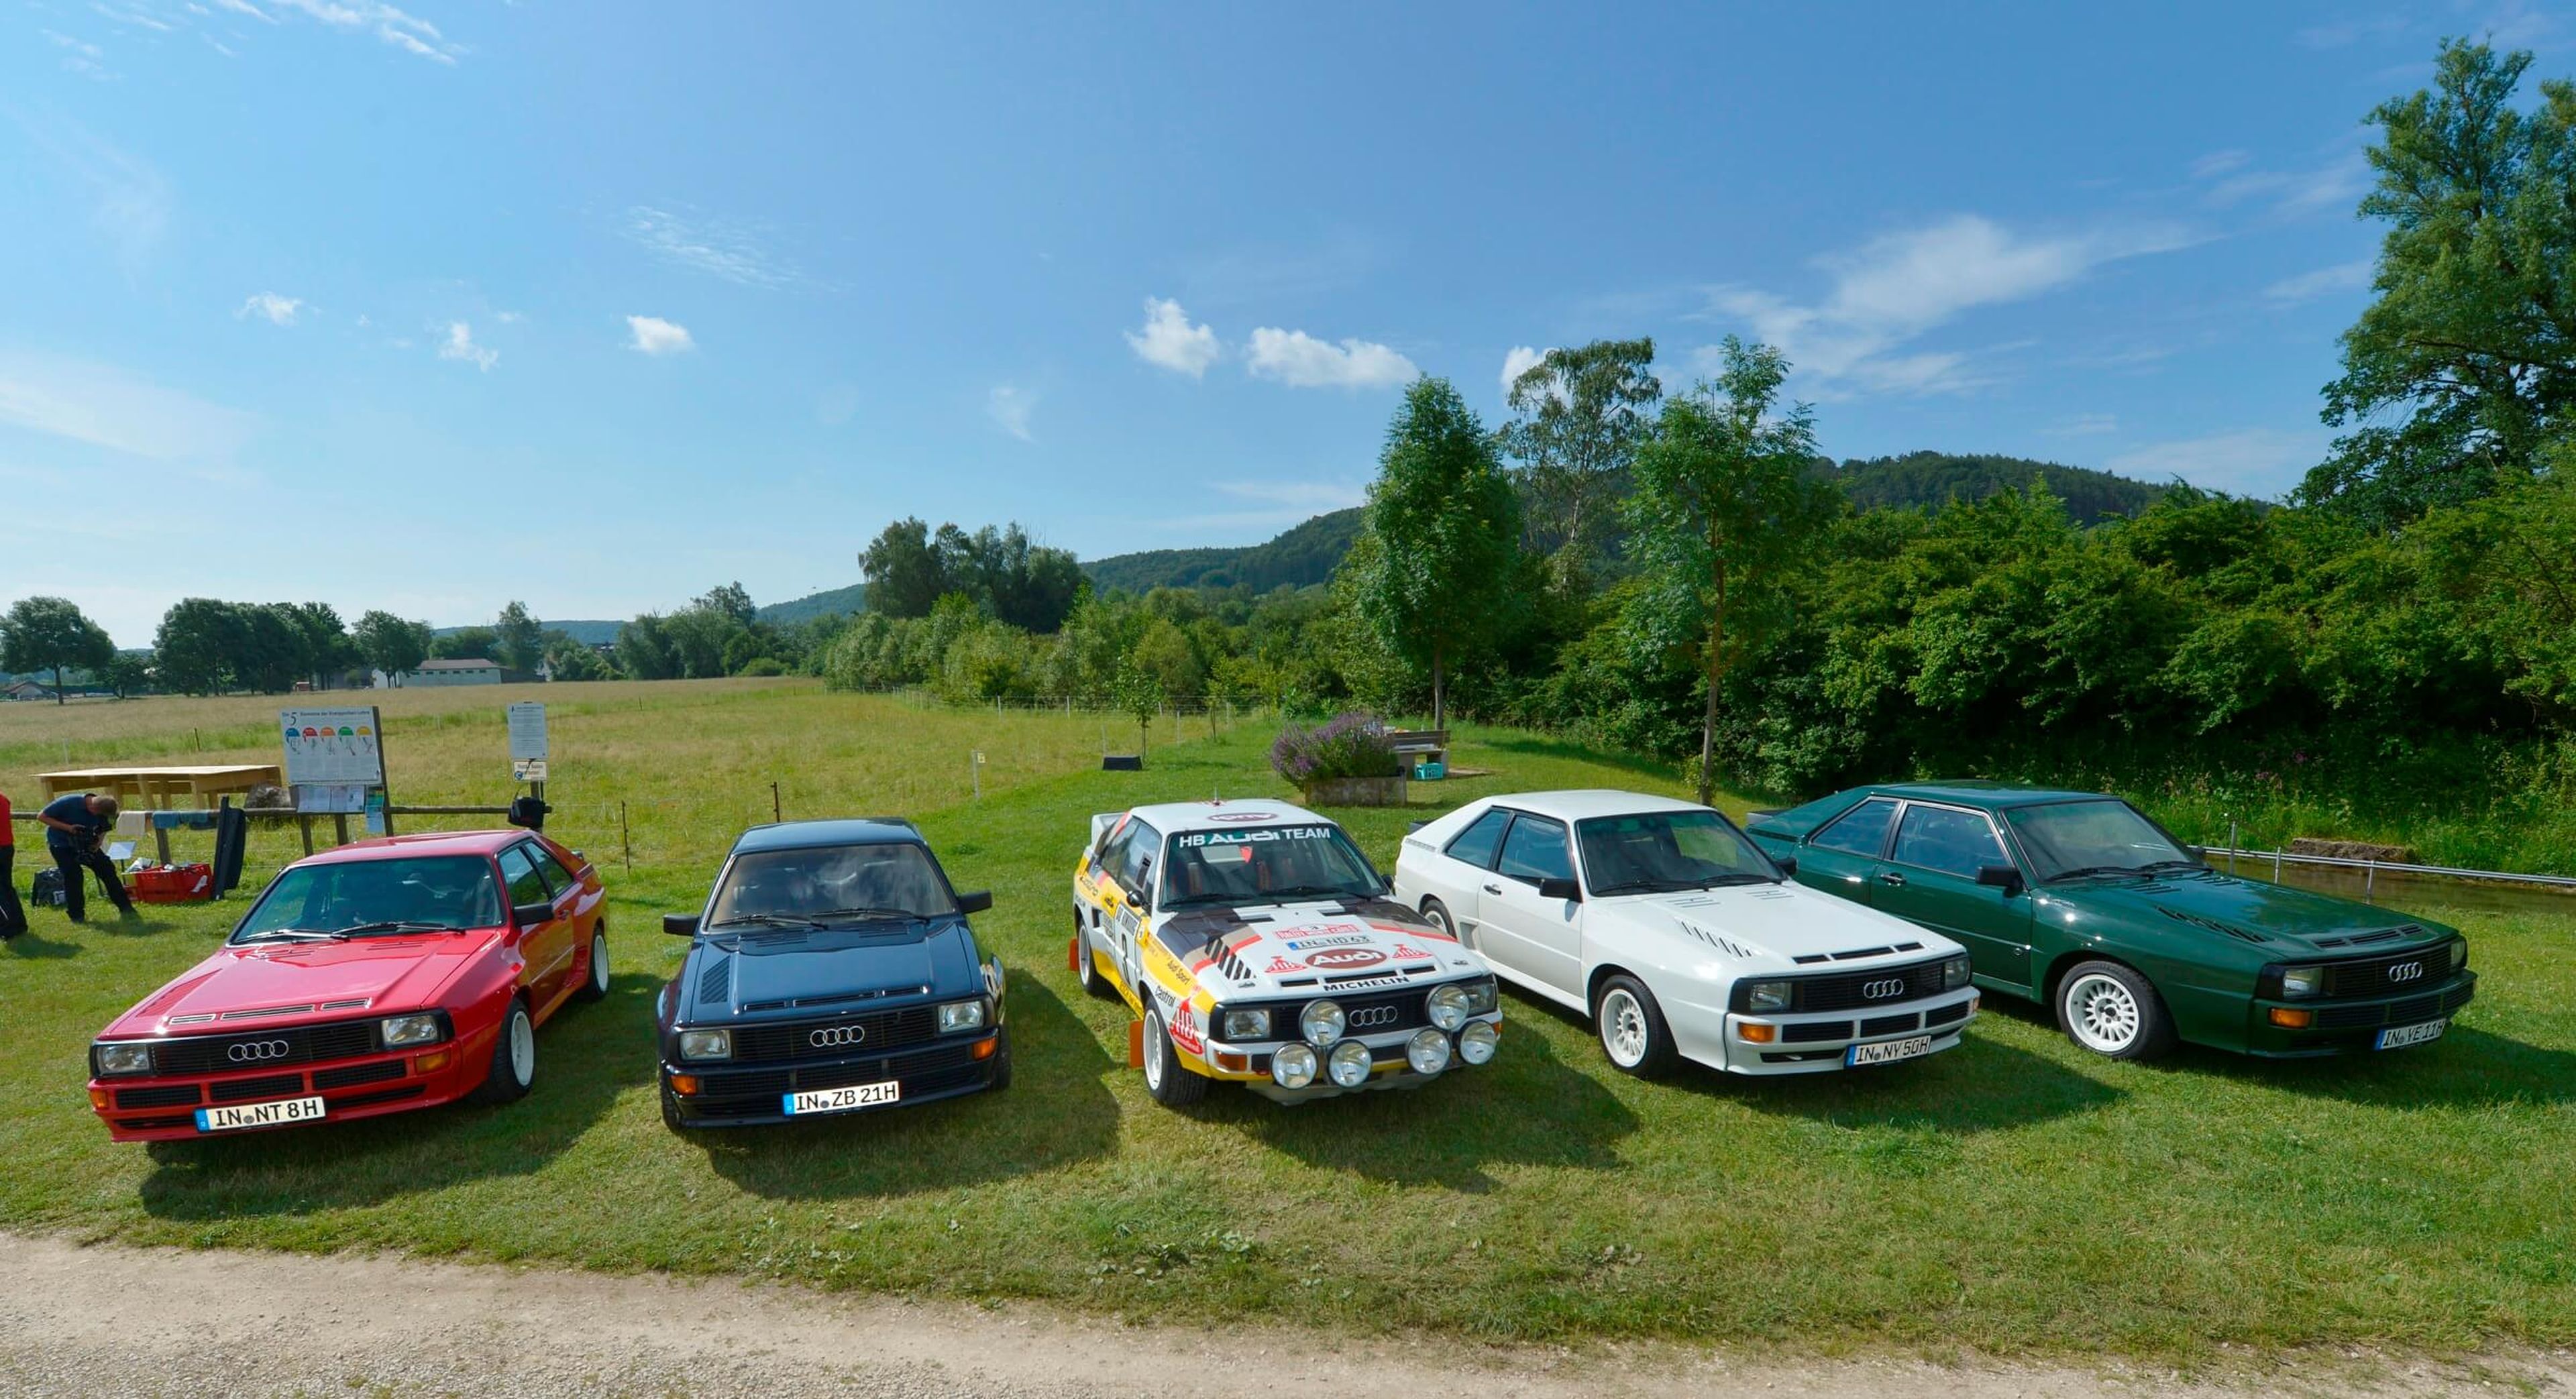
807 835
1584 804
1169 817
1979 792
425 843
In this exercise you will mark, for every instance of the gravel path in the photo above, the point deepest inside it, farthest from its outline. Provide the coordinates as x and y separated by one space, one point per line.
152 1322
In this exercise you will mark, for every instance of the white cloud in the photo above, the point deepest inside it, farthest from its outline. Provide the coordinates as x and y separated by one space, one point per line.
1517 361
459 345
656 336
80 56
1168 339
2258 461
108 408
1896 288
407 32
244 7
2307 286
2332 185
718 249
276 309
1009 406
1301 361
2217 163
2084 425
129 199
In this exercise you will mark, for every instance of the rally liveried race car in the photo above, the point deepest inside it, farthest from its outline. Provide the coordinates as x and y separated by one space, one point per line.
1255 944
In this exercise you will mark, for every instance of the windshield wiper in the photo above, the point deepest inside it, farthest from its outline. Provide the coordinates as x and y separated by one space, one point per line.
868 913
295 935
767 920
1313 891
2082 870
393 925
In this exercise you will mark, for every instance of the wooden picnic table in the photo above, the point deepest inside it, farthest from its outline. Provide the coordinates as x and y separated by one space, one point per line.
155 786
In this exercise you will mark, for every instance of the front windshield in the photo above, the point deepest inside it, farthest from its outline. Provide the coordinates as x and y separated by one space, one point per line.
847 883
1662 851
1269 864
359 898
2093 837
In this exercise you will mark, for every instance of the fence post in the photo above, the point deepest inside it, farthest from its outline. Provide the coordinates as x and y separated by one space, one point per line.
625 837
2369 880
776 813
2231 845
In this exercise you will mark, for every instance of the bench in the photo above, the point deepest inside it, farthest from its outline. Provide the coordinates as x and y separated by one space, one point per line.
1418 745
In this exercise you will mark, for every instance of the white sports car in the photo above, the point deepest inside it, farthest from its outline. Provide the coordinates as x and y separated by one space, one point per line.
1680 937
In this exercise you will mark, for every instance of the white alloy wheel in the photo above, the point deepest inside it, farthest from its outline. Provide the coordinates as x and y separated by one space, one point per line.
1158 1052
2102 1013
1436 914
1624 1036
599 964
523 1048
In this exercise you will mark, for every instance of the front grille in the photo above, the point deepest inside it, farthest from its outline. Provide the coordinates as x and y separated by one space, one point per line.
923 1072
2457 997
2372 977
1943 1015
242 1090
1844 990
2350 1017
388 1096
304 1044
878 1030
1412 1010
1816 1032
355 1074
1890 1025
154 1124
183 1095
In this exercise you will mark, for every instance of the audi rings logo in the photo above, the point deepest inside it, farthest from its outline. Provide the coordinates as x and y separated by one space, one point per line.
837 1036
2406 971
1372 1017
258 1051
1881 990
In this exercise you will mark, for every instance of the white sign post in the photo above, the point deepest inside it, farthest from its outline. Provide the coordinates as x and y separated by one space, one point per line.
335 764
528 752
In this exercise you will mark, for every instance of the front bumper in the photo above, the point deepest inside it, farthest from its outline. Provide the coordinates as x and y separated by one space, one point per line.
160 1109
1816 1043
1249 1064
754 1095
2343 1027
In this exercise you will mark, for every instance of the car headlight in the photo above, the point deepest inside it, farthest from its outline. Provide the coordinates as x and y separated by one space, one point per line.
1482 997
1348 1063
2459 953
1449 1007
1241 1025
1427 1052
403 1031
2302 981
1477 1043
1293 1066
1321 1024
706 1044
1954 973
132 1058
961 1015
1767 995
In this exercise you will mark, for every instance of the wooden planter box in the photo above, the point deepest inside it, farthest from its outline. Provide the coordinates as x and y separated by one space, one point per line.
1357 791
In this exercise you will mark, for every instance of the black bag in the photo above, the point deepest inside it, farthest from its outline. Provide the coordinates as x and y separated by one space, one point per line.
47 890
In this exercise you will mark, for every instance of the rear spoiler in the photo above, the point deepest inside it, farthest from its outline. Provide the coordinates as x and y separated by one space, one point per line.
1102 823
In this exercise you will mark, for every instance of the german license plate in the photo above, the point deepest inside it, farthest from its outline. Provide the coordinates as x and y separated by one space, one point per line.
236 1116
860 1095
1887 1052
2400 1036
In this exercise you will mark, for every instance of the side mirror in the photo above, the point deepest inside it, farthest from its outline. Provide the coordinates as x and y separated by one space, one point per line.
975 902
1788 865
1565 889
680 925
2004 877
530 915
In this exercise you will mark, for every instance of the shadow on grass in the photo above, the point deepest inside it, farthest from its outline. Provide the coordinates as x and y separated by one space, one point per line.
2465 1068
587 1055
1526 1108
33 945
1057 1111
1539 746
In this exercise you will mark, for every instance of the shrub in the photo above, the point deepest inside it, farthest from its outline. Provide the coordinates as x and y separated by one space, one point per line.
763 665
1350 745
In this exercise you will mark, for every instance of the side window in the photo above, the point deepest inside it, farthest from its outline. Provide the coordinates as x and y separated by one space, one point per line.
1135 865
520 873
1859 831
558 878
1953 842
1477 843
1536 849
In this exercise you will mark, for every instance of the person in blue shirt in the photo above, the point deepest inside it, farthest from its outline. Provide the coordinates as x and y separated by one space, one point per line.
74 827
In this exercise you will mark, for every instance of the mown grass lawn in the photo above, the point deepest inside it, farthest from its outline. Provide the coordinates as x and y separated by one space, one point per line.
2012 1195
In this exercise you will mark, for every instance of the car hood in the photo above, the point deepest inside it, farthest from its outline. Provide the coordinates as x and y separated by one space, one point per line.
794 971
2248 911
1799 822
1308 948
1764 928
289 983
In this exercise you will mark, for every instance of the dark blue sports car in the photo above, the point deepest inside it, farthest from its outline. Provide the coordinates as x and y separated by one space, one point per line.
832 972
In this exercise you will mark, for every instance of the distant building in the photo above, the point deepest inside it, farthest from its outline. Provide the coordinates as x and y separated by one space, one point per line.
26 690
462 672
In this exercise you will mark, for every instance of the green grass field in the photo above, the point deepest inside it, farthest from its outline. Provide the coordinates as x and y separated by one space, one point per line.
2012 1196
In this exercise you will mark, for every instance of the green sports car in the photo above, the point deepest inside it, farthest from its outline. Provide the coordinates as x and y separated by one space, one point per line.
2080 902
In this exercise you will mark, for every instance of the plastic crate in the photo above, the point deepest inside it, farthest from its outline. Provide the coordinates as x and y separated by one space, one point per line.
172 884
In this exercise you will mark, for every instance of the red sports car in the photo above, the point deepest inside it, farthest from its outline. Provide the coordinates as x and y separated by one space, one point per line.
379 977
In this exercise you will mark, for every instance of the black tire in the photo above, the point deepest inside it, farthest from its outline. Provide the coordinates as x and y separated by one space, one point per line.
1631 1028
1171 1085
1002 1071
594 981
513 1050
1086 969
2113 1011
671 1113
1436 914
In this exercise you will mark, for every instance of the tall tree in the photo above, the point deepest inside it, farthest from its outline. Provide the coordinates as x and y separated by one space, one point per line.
392 645
1447 528
197 645
326 645
50 633
519 638
465 644
128 675
644 650
2465 365
904 573
1583 412
733 602
1726 505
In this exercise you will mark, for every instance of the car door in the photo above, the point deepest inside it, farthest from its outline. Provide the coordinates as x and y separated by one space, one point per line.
1929 876
1844 852
545 943
1540 938
575 909
1133 871
1457 874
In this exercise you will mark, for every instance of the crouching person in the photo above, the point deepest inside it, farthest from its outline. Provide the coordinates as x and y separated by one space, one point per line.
75 828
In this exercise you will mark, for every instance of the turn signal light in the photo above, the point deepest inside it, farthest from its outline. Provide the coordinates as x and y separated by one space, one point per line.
2289 1018
98 1098
984 1047
1237 1063
1758 1034
686 1085
431 1063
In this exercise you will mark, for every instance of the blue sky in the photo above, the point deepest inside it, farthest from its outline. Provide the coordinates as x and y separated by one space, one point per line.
598 305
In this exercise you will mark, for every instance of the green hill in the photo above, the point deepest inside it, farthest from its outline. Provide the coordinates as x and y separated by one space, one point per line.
835 603
1931 479
1303 556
